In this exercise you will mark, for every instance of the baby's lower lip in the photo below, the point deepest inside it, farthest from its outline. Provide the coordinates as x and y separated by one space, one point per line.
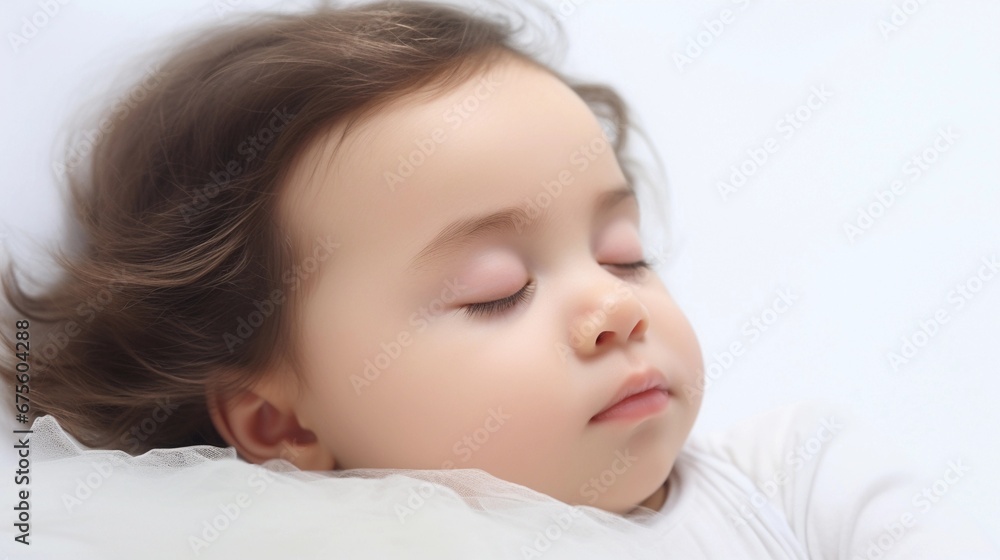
635 407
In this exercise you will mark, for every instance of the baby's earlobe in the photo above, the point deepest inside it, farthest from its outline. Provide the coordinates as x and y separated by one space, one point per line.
308 455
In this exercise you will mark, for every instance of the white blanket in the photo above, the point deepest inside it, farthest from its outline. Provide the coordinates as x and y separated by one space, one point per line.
205 502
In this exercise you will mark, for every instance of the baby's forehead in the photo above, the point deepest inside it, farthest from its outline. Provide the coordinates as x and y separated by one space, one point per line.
383 150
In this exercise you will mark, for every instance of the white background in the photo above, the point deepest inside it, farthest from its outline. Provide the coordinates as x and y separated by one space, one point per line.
782 230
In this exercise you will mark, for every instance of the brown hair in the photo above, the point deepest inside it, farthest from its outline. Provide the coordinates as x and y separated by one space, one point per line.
169 291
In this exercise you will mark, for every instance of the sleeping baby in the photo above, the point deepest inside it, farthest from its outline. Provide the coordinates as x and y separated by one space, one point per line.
388 237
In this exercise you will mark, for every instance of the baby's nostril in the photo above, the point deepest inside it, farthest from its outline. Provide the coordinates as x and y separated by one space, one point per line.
603 335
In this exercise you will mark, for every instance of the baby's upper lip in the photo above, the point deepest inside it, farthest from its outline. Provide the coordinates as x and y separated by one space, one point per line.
641 380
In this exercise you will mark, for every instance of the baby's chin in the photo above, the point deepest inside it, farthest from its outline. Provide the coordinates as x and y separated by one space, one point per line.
656 500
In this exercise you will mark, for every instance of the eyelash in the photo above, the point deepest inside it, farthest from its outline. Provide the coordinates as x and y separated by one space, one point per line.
497 307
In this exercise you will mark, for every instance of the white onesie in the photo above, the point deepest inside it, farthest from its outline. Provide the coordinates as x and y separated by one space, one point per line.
807 481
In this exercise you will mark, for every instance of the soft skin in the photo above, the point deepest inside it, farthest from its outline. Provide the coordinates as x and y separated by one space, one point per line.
512 394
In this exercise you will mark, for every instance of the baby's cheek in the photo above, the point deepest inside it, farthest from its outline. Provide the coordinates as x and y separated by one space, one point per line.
669 322
539 428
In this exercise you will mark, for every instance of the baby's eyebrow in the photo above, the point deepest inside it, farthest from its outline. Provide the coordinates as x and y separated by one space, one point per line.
465 231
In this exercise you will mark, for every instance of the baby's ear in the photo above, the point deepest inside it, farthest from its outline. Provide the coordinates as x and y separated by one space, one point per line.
261 424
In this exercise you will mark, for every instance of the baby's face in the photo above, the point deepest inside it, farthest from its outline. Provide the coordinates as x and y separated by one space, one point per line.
402 373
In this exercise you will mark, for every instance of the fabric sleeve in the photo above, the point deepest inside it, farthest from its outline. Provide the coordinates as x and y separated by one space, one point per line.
845 493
